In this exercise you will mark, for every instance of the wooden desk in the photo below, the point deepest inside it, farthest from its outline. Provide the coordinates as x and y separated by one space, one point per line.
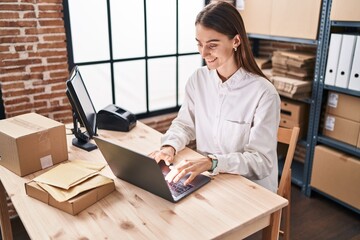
230 206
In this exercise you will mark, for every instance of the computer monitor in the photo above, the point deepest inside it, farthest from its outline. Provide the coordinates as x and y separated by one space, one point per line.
83 111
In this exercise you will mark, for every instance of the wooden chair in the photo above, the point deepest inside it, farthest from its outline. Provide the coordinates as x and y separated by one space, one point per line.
289 137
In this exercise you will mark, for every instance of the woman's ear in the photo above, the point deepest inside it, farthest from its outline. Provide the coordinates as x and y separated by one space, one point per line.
236 41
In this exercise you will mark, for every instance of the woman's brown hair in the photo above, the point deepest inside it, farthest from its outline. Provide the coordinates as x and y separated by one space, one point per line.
225 18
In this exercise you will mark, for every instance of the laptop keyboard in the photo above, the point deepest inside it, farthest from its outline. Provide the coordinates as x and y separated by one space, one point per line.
178 188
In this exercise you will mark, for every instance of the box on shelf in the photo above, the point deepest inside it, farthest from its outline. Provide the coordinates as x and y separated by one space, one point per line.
281 18
343 105
292 88
31 142
263 63
257 16
337 175
341 129
293 64
290 124
345 10
294 111
285 17
74 205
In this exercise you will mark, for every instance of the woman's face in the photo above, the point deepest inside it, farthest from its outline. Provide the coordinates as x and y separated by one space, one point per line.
216 48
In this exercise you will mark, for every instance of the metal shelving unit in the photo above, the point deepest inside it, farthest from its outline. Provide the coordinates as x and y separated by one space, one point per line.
301 171
322 89
339 145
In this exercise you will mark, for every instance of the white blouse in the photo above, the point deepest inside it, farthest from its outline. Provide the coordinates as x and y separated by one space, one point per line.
237 121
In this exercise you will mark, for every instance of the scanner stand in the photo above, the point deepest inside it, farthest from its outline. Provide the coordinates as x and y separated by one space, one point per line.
81 139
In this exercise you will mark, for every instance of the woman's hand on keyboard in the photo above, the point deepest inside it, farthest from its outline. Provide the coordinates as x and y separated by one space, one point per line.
193 167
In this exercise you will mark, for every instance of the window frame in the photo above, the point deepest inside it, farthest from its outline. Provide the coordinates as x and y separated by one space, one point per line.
146 57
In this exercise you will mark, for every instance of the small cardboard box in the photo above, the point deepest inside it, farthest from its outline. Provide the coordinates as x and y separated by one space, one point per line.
294 111
285 17
341 129
257 16
74 205
345 10
31 142
290 124
343 105
336 174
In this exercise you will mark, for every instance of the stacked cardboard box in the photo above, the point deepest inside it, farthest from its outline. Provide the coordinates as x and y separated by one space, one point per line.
336 174
342 118
31 142
294 114
265 66
292 88
297 65
292 71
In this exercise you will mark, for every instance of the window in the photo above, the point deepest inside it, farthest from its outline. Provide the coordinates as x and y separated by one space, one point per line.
136 54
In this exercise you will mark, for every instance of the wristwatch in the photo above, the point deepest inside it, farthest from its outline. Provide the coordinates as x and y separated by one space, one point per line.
214 162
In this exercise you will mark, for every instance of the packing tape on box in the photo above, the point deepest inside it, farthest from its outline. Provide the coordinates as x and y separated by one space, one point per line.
44 143
26 124
45 149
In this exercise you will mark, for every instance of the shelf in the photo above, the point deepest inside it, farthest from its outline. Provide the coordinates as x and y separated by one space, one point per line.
283 39
336 200
345 24
350 149
304 100
343 90
297 172
302 142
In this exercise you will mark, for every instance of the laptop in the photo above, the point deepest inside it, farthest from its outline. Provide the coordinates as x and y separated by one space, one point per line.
144 172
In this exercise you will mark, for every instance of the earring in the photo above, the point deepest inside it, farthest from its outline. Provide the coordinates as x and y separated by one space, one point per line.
235 49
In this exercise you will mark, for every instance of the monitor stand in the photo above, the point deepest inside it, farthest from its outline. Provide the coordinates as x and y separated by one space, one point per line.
88 146
81 140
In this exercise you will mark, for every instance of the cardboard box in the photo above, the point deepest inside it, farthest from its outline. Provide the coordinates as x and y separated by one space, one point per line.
341 129
290 124
257 16
292 88
281 18
345 10
297 19
74 205
336 174
31 142
343 105
294 111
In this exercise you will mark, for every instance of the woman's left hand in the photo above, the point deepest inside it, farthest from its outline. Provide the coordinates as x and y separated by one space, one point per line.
194 167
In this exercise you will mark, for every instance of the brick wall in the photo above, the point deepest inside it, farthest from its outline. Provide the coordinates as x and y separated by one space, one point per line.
33 58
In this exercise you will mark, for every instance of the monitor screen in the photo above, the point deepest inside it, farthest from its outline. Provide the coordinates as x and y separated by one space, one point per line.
81 102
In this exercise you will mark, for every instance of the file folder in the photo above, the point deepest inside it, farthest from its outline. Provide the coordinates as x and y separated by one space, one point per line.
345 61
354 82
333 58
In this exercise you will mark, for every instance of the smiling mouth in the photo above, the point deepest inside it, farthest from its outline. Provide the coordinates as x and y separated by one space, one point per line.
211 60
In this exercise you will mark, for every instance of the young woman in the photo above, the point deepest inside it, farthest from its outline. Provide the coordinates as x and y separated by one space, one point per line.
230 108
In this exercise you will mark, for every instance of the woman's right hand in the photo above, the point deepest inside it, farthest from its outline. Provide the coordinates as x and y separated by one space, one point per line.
166 153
